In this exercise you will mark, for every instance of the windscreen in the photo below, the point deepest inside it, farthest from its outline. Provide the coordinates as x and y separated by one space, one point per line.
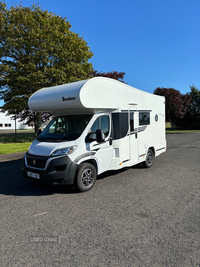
65 128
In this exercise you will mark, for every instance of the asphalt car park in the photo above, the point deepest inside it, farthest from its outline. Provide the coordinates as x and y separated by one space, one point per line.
131 217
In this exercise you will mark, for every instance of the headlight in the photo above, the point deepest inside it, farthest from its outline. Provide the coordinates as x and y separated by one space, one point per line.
64 151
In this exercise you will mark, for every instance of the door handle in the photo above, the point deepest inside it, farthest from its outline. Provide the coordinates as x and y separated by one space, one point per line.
110 141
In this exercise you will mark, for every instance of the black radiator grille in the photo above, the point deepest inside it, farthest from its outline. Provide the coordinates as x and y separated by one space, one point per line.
38 162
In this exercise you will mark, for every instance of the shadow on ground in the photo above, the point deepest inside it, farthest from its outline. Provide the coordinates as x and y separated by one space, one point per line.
12 181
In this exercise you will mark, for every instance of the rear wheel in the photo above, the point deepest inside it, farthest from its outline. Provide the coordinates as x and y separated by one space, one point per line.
149 159
85 177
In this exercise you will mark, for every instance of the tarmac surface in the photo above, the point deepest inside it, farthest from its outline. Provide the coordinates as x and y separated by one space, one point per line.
14 156
132 217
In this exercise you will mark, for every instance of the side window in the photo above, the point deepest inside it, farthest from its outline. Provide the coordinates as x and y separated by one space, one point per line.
102 123
95 126
144 118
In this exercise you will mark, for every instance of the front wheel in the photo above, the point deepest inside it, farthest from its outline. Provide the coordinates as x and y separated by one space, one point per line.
85 177
149 159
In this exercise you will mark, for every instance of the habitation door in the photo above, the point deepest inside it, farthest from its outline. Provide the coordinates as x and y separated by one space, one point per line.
133 135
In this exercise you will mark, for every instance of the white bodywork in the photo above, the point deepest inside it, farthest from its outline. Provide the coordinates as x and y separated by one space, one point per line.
103 96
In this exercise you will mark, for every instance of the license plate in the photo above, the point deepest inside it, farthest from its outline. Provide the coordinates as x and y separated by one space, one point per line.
33 175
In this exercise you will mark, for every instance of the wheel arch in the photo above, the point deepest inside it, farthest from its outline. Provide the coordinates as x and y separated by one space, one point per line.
91 161
153 149
149 157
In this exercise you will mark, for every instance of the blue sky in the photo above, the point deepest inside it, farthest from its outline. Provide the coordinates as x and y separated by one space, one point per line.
155 42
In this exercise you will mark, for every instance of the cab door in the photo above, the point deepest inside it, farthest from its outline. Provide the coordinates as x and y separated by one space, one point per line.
104 150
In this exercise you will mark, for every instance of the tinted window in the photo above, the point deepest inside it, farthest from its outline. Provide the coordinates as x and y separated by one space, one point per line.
144 118
131 122
120 124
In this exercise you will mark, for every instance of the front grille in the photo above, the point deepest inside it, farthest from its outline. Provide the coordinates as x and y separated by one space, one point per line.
37 162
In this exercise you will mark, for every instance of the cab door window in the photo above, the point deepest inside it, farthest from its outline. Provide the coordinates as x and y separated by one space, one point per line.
102 123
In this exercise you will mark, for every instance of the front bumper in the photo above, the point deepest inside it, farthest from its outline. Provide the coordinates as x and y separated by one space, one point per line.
59 170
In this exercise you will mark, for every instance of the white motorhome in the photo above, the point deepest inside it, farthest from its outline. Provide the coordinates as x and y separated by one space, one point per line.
100 124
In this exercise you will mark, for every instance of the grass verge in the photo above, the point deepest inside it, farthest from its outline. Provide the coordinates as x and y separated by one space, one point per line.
8 144
13 147
181 131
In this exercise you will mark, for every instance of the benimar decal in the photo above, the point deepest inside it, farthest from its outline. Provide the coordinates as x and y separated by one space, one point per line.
68 98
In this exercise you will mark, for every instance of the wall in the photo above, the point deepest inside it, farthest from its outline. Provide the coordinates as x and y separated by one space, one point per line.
6 123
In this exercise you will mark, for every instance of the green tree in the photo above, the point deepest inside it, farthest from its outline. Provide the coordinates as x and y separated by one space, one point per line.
111 74
176 104
192 118
37 49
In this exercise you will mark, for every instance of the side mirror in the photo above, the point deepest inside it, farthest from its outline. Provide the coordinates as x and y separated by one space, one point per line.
100 136
39 132
91 137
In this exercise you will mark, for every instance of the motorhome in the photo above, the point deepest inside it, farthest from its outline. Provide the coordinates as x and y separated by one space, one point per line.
99 124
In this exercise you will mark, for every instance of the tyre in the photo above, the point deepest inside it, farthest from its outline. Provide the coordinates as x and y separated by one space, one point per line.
85 177
149 159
